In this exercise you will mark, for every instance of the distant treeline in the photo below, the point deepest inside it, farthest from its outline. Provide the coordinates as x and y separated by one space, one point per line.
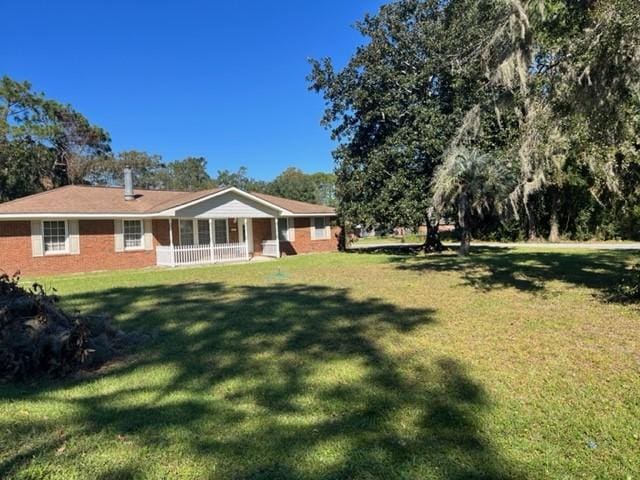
45 144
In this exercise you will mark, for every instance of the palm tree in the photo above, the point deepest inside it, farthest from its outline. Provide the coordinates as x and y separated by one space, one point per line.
473 184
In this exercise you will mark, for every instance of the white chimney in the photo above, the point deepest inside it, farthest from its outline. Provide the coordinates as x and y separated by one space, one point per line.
128 184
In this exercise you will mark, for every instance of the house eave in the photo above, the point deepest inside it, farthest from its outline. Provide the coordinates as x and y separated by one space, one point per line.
88 216
317 214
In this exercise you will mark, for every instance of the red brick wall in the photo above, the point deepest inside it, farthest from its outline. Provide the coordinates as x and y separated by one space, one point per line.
97 250
161 232
302 242
261 232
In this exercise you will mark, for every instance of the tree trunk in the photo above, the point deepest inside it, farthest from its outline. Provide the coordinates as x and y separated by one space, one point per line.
465 242
532 230
554 221
342 236
465 239
432 243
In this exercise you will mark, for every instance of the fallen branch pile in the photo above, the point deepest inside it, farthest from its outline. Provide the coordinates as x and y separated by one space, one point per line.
39 338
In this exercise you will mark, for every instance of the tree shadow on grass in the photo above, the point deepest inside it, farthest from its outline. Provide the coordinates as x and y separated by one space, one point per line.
279 381
393 249
489 268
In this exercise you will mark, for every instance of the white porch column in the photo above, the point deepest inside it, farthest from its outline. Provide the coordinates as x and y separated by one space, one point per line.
246 237
277 238
211 238
173 257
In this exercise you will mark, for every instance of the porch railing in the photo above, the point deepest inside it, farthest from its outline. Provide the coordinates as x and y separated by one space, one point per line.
270 248
201 254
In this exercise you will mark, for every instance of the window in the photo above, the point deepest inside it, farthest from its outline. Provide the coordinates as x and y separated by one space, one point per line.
186 232
221 231
319 229
54 235
203 232
283 229
132 232
192 231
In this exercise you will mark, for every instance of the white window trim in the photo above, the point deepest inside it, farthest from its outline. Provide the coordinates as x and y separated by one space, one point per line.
291 229
67 249
327 229
288 237
124 241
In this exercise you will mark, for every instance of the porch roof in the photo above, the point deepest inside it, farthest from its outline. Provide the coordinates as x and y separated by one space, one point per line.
101 202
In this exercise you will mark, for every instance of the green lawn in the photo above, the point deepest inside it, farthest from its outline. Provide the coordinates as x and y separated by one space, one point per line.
509 364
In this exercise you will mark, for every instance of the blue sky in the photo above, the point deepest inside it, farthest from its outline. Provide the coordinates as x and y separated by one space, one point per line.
222 80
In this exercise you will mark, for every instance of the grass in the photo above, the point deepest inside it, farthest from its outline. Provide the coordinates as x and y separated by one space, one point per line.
508 364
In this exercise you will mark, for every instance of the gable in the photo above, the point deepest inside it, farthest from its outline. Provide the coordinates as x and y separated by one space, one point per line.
227 205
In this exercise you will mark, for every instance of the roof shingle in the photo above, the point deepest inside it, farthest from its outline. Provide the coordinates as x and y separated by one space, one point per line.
81 199
295 206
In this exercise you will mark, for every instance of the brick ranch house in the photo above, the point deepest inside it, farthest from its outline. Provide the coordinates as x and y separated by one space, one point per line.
83 229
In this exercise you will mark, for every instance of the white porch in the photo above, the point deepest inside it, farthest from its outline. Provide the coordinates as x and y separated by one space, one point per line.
231 226
196 241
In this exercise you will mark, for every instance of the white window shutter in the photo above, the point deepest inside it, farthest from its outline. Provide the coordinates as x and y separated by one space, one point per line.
118 236
292 228
148 234
74 237
37 248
